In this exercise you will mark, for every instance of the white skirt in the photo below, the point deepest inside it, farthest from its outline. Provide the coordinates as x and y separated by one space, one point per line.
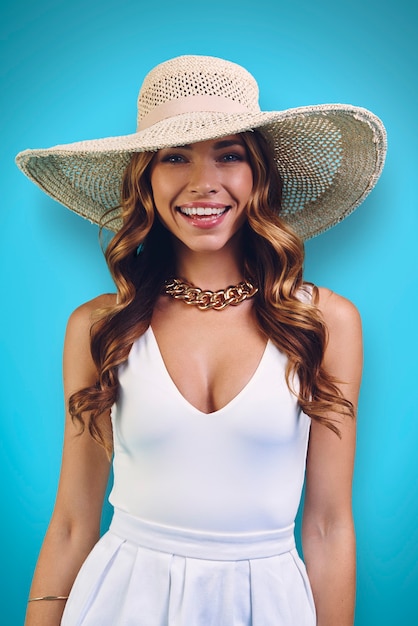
145 574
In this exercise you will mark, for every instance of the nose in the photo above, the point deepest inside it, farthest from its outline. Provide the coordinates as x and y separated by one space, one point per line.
203 178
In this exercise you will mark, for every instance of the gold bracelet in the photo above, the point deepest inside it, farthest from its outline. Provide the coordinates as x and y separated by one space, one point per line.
48 598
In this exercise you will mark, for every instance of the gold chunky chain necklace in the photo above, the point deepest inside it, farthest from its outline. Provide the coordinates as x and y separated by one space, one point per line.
218 300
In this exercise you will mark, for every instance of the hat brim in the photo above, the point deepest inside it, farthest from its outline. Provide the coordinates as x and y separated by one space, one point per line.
329 157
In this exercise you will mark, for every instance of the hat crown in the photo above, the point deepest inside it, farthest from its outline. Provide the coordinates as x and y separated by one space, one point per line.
194 75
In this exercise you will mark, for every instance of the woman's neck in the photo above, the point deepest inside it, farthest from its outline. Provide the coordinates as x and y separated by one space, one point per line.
210 270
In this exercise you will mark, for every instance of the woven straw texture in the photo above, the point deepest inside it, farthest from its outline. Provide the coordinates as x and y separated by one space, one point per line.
329 156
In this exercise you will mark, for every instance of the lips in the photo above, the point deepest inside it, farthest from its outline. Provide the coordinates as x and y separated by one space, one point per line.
203 214
203 211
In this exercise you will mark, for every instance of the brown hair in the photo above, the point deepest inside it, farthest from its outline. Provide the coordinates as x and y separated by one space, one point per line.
274 257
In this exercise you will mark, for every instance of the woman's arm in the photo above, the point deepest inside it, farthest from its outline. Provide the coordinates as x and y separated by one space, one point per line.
75 523
328 529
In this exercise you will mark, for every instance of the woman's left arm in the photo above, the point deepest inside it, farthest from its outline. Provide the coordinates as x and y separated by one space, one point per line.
328 530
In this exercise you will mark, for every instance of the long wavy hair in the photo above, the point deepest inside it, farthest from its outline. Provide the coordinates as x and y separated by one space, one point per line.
141 257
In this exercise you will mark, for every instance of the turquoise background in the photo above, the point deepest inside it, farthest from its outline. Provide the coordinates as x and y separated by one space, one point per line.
71 71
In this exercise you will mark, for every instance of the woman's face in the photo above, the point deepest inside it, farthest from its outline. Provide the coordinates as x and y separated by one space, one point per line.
201 191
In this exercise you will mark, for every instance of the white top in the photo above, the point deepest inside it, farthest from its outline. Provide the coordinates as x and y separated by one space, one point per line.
238 469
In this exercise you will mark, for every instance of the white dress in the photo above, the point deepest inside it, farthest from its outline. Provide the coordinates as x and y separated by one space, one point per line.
202 533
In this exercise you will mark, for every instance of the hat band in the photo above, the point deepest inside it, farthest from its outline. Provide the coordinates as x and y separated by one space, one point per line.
191 104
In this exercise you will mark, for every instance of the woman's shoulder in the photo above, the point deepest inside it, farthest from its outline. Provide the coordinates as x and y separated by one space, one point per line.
341 318
83 316
77 355
335 308
343 355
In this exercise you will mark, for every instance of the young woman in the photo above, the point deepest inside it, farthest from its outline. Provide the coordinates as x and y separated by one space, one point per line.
215 376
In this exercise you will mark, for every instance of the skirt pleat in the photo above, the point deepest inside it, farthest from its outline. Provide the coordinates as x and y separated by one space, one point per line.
124 583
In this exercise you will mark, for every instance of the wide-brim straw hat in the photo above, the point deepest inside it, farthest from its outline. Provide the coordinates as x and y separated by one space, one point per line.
329 156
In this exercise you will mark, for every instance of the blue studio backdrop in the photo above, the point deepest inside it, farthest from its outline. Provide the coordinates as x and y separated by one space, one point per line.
71 71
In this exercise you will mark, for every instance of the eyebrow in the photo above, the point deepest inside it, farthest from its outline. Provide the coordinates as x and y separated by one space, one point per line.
228 143
223 143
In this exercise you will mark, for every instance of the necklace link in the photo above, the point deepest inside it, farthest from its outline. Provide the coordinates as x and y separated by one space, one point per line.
204 299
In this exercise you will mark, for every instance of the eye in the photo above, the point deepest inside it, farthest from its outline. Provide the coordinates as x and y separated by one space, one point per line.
231 157
173 158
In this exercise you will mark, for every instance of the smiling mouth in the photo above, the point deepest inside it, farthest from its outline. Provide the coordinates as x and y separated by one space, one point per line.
201 211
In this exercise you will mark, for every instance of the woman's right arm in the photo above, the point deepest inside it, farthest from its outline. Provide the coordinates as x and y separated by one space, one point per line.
75 523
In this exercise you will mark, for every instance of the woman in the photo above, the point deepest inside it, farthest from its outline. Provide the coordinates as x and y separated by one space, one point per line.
210 410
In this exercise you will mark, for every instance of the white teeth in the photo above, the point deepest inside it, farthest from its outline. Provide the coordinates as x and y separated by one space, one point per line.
200 210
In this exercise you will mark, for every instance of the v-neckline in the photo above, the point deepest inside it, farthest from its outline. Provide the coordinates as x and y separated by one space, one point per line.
230 403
